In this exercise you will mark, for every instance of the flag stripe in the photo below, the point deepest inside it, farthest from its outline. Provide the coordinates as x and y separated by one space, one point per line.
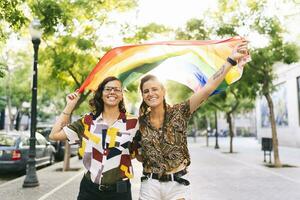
199 61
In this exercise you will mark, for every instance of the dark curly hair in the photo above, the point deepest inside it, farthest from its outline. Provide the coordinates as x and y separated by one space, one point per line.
97 103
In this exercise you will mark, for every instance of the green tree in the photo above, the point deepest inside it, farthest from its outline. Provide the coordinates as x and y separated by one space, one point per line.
11 15
232 101
71 35
69 47
237 98
260 70
16 85
145 33
195 29
262 63
12 19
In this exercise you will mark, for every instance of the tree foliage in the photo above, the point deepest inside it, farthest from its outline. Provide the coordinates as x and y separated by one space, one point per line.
260 73
195 29
12 15
146 33
70 47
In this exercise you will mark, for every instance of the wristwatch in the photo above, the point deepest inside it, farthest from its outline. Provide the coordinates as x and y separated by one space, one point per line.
231 61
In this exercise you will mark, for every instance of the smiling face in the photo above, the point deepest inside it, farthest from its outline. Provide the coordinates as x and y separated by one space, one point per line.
112 93
153 93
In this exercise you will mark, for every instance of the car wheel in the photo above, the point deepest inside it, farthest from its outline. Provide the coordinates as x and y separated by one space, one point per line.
52 159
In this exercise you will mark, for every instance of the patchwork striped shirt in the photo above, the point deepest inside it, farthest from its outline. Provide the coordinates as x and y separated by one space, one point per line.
105 149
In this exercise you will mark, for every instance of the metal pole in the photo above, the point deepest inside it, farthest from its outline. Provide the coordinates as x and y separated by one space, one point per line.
31 177
216 133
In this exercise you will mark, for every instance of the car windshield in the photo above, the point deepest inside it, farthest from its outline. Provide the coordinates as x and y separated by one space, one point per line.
8 140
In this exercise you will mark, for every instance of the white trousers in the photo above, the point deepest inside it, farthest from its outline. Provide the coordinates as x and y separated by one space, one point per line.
152 189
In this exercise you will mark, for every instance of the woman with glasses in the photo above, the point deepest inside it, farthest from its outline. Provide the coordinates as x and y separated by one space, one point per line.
105 135
163 134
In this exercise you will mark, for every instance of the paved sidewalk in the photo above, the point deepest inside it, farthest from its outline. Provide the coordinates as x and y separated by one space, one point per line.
51 180
214 175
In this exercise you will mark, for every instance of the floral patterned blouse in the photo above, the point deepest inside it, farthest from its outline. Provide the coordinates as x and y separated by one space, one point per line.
165 149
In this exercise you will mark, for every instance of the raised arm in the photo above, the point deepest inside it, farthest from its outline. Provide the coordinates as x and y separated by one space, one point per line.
239 51
57 133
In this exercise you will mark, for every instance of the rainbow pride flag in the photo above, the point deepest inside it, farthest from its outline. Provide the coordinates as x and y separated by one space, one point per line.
190 63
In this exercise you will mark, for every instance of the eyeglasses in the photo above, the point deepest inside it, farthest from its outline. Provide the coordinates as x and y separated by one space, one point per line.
110 89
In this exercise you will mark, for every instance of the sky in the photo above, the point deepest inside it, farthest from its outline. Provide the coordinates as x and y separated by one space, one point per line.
175 13
172 13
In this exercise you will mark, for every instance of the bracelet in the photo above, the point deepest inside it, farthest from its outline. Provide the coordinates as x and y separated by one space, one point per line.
231 61
66 113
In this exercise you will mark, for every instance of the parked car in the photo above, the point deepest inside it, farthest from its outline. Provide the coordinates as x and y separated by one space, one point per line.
14 150
58 145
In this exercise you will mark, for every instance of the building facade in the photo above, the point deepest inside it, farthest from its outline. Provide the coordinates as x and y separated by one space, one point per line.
286 100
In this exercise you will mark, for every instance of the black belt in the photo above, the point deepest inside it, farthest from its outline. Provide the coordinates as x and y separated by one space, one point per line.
120 186
168 177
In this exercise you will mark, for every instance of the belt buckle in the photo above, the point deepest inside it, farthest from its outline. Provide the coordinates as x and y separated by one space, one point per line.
102 187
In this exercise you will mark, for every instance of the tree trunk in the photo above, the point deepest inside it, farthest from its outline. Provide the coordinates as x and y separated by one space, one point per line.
2 119
11 116
66 166
216 133
67 154
277 162
208 129
229 121
11 122
18 120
